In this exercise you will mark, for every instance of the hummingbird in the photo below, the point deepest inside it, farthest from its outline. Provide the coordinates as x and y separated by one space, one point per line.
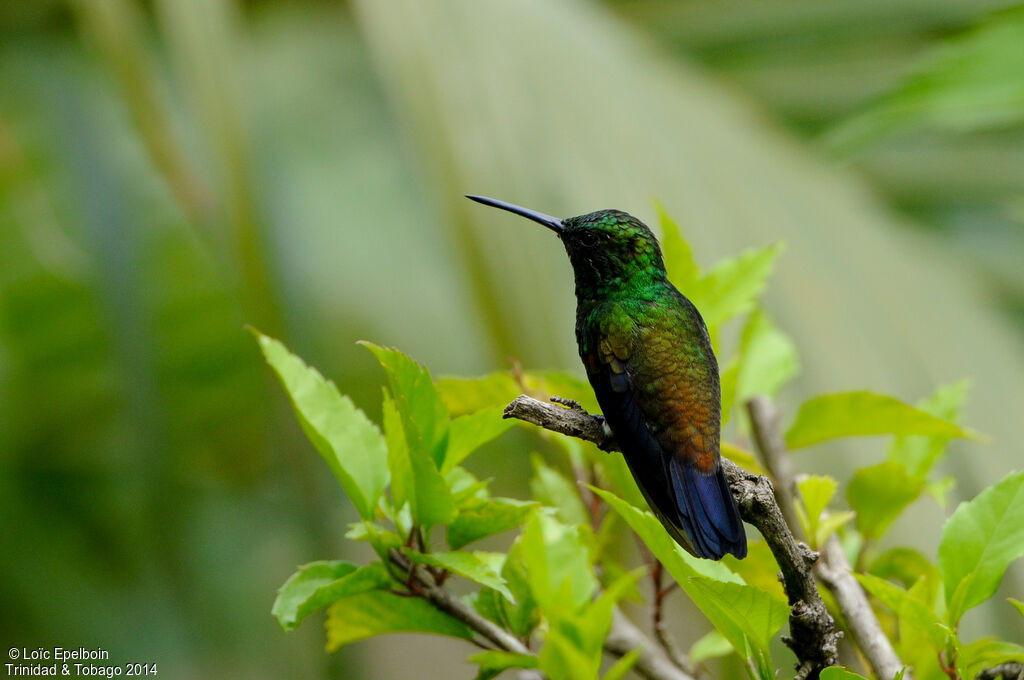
648 357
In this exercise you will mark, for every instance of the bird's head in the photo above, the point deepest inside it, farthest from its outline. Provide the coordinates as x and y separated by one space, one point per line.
609 249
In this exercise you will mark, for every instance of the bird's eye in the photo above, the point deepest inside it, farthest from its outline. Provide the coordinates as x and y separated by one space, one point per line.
588 239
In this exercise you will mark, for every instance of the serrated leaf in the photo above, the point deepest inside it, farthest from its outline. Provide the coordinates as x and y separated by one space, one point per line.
469 432
492 517
557 564
553 490
853 414
757 613
318 584
424 416
909 609
732 286
476 567
920 454
378 612
979 541
768 358
879 493
352 445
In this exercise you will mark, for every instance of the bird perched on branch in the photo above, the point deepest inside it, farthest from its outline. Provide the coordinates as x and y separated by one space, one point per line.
649 359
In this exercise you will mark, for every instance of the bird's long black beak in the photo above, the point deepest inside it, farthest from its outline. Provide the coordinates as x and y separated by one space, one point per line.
552 223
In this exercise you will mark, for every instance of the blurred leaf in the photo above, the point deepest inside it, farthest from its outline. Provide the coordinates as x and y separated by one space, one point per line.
344 436
1018 605
522 616
920 454
318 584
879 494
497 660
971 82
903 564
469 432
909 609
557 564
758 568
553 490
493 517
710 646
623 665
978 543
852 414
377 612
815 493
768 358
463 396
732 286
473 566
745 459
424 416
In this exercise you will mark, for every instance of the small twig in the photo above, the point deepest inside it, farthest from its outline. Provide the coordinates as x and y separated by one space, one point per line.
624 637
833 569
812 633
658 621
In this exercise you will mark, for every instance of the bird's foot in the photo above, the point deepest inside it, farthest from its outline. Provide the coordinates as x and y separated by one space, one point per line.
570 403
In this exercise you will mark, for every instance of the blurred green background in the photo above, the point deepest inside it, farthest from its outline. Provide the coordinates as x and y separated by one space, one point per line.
175 169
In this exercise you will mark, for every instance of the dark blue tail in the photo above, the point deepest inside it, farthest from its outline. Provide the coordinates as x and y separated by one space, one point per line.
707 511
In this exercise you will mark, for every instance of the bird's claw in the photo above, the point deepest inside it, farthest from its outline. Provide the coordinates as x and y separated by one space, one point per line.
570 403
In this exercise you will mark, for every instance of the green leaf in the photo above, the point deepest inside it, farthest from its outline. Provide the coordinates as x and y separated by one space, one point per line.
1018 605
552 489
757 613
352 445
623 665
318 584
879 493
919 453
711 646
476 567
679 263
852 414
988 652
493 517
768 358
557 564
378 611
469 432
463 396
839 673
498 660
732 286
903 564
716 591
522 616
414 478
815 493
909 609
424 416
979 542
